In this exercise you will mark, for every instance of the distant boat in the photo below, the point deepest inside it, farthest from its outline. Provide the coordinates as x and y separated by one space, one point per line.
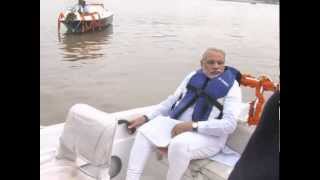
253 2
96 17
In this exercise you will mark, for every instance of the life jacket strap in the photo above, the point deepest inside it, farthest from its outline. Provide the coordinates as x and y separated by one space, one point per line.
186 107
209 99
174 105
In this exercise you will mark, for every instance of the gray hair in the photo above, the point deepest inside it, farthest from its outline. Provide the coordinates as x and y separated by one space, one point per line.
205 54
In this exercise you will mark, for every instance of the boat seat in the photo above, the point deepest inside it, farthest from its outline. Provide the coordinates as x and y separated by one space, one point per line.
206 169
212 170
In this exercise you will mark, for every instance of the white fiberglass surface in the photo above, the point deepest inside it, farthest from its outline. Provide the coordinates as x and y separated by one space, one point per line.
61 170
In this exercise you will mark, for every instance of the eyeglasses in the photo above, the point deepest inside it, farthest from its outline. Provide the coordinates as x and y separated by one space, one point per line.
211 62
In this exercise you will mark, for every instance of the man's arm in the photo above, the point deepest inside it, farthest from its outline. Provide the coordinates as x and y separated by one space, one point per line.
231 110
164 107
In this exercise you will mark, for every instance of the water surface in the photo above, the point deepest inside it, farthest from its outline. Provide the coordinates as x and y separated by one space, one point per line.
151 46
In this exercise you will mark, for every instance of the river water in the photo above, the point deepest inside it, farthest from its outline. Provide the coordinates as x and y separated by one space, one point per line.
151 46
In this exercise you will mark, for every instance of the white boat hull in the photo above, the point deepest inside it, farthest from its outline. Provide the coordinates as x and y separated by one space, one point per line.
96 19
51 168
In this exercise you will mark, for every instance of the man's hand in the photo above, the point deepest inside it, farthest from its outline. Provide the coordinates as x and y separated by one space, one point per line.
181 127
137 122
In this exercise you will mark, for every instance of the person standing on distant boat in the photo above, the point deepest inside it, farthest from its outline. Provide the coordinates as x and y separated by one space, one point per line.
82 7
191 123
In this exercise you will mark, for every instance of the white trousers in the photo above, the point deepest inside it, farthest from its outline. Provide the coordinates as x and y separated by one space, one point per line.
182 149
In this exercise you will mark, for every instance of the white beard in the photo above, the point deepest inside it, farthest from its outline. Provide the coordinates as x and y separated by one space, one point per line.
213 76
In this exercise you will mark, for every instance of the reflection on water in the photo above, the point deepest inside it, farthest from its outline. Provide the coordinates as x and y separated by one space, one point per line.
86 45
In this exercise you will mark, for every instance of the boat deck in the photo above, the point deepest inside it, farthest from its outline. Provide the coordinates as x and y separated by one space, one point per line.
53 169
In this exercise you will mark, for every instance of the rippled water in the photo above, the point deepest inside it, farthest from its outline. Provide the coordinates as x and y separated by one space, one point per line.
149 49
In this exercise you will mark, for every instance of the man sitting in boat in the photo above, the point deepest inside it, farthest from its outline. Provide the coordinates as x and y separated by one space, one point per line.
192 123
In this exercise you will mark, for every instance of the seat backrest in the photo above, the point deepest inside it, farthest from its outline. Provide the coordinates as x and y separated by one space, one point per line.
240 137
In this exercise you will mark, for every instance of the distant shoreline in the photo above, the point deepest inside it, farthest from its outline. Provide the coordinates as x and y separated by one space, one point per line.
255 1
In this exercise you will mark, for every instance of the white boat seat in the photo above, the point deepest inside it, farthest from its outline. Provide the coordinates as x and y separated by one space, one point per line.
212 170
208 169
88 133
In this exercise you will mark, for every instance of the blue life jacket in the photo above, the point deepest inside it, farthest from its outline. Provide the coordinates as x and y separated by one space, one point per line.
204 92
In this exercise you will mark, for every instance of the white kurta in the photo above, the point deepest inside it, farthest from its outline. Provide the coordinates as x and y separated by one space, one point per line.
158 130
